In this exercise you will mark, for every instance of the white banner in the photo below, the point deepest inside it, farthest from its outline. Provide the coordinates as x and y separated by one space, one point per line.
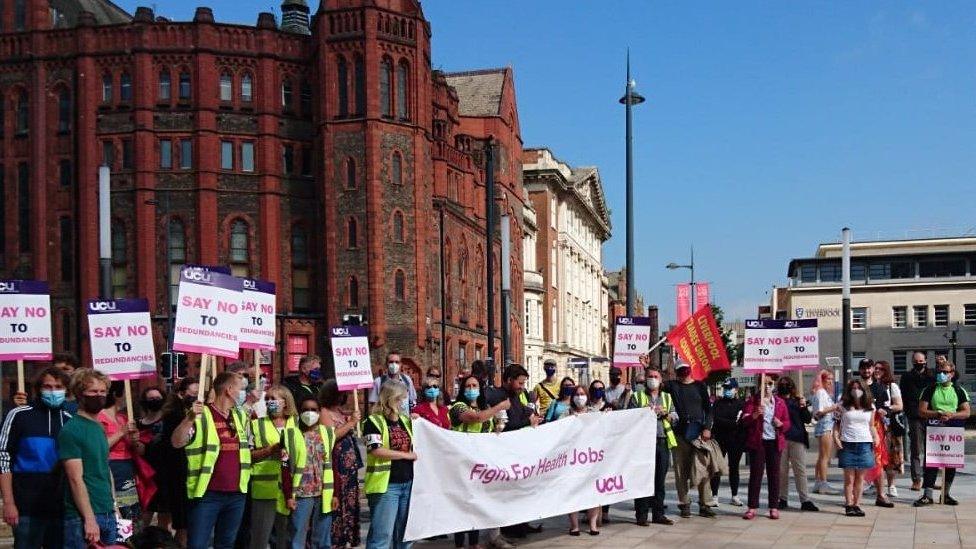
258 304
480 481
632 336
350 354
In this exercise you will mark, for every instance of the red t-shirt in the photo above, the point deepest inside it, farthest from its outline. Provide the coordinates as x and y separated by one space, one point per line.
227 471
121 449
440 418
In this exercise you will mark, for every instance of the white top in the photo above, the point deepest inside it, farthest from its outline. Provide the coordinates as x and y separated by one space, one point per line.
855 425
769 412
823 400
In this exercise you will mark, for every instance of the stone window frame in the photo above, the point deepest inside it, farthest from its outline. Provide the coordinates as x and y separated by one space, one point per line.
398 226
399 285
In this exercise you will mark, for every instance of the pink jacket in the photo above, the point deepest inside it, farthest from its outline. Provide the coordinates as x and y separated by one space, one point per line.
754 427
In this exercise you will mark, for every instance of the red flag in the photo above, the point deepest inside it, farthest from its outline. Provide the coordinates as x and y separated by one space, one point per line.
699 342
683 299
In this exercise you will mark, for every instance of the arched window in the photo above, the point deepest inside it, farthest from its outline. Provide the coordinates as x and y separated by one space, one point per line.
305 97
403 95
360 69
247 87
23 112
125 87
350 173
399 285
239 248
226 86
398 226
352 239
448 304
67 243
342 73
165 85
286 95
185 91
107 87
386 76
120 260
20 15
353 292
176 256
396 168
64 110
300 294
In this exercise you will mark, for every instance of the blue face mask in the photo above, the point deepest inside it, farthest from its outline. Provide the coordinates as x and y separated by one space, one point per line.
432 393
471 394
941 377
566 392
52 398
728 393
404 406
315 375
241 398
598 394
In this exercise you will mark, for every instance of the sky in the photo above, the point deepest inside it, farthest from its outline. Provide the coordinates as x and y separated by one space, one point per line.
768 127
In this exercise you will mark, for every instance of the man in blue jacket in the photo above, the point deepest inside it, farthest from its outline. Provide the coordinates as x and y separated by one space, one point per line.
31 480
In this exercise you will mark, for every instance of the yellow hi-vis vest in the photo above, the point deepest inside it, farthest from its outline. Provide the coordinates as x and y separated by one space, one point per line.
202 452
378 469
484 427
299 459
266 474
642 400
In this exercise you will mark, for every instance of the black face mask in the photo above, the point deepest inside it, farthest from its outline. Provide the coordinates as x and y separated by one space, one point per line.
783 390
920 366
188 401
92 404
152 405
615 379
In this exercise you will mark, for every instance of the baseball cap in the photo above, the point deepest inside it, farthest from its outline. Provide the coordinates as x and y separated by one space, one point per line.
730 383
681 365
614 371
865 363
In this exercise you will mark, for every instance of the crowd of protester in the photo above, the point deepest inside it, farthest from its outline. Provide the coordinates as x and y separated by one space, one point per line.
244 465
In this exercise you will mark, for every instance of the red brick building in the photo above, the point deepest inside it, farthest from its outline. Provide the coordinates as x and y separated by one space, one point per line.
324 155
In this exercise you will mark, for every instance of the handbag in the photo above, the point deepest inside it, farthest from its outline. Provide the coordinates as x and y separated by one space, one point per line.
899 425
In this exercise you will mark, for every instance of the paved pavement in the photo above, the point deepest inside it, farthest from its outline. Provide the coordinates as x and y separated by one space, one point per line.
904 526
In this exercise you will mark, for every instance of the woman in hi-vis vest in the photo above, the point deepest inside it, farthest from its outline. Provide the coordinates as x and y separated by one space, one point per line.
312 501
389 468
272 434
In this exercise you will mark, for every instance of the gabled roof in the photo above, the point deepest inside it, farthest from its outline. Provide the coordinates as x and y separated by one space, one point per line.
589 187
105 12
479 92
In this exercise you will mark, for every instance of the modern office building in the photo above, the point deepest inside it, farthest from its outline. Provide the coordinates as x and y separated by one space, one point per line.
906 296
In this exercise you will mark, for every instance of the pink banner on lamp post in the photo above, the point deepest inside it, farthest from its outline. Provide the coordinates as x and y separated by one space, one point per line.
701 294
683 298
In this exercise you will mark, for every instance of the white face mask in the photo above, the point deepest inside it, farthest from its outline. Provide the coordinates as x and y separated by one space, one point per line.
579 400
653 383
310 418
393 368
858 393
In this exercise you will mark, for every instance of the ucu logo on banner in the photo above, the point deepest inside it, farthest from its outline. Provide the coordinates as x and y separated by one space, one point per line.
339 332
249 284
101 306
610 485
8 287
196 274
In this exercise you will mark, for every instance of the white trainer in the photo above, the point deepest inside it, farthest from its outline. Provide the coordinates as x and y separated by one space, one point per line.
736 501
892 491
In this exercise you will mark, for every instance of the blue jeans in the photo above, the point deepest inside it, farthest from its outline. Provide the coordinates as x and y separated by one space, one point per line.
34 532
74 531
217 513
309 510
388 517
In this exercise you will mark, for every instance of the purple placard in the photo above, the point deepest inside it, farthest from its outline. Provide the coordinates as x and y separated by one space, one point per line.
205 277
349 331
101 306
255 285
35 287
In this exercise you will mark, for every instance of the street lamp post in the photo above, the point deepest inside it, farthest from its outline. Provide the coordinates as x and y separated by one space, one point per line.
630 98
690 267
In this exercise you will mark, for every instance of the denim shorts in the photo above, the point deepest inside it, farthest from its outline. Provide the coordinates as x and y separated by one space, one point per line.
824 426
856 455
